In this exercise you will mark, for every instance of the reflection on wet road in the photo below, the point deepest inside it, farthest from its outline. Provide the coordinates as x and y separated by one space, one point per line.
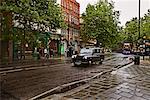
129 83
29 83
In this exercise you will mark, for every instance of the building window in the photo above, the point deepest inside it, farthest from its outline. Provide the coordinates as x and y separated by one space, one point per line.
65 4
70 18
70 6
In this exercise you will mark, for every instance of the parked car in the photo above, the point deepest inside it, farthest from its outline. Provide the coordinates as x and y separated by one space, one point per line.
88 56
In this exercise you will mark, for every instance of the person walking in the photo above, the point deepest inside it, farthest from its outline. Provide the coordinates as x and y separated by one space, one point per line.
46 53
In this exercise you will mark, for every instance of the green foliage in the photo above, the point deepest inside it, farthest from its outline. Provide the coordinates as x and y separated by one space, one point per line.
131 28
145 24
33 15
100 21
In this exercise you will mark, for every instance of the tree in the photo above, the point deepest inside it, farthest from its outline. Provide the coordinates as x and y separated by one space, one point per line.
131 28
100 21
28 14
31 15
145 24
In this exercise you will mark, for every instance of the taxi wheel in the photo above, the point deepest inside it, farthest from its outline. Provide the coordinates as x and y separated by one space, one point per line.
100 62
90 62
73 64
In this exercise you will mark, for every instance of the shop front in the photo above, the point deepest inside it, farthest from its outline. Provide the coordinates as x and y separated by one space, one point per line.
55 45
64 45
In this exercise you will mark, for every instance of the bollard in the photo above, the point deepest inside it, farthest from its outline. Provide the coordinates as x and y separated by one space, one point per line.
137 60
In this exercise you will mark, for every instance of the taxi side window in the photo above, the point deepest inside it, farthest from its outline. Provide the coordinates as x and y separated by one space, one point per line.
96 51
101 51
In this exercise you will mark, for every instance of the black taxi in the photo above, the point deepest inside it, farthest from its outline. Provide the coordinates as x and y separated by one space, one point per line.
88 56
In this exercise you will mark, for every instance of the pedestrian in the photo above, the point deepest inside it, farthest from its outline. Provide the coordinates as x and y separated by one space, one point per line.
70 51
45 53
52 52
67 52
40 52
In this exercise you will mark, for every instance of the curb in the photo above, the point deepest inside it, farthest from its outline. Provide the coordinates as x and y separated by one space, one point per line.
72 85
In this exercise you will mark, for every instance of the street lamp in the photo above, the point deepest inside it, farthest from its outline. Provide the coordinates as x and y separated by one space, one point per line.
68 30
139 18
138 40
137 57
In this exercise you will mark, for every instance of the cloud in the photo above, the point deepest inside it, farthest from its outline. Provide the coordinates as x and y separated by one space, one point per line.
128 8
84 3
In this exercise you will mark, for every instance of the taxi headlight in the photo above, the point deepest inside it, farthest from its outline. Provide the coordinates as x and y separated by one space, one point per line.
74 56
85 57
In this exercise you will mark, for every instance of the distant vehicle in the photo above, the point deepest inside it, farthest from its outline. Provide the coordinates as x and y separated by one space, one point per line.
127 48
88 56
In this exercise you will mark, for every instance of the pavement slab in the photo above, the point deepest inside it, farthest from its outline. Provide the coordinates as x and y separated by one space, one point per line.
131 83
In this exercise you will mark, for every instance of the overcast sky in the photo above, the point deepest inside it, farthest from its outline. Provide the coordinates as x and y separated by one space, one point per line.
127 8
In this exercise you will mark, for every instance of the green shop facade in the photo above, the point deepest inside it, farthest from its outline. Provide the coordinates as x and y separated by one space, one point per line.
23 44
47 40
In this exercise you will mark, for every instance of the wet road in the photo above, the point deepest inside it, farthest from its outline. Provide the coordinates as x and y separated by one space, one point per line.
28 83
130 82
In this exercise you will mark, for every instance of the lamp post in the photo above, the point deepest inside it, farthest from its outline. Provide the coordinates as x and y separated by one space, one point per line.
139 31
68 30
137 57
139 19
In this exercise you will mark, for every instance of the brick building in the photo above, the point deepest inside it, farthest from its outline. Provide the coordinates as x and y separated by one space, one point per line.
71 12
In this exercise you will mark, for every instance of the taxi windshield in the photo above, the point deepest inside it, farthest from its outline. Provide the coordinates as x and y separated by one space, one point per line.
86 51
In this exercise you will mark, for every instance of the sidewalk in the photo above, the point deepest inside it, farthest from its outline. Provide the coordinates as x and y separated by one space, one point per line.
128 83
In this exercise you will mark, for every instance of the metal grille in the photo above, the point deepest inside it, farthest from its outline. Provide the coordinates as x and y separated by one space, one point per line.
79 57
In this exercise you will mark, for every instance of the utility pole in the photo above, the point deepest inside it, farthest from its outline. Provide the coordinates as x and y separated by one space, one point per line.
0 34
139 19
137 57
68 30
